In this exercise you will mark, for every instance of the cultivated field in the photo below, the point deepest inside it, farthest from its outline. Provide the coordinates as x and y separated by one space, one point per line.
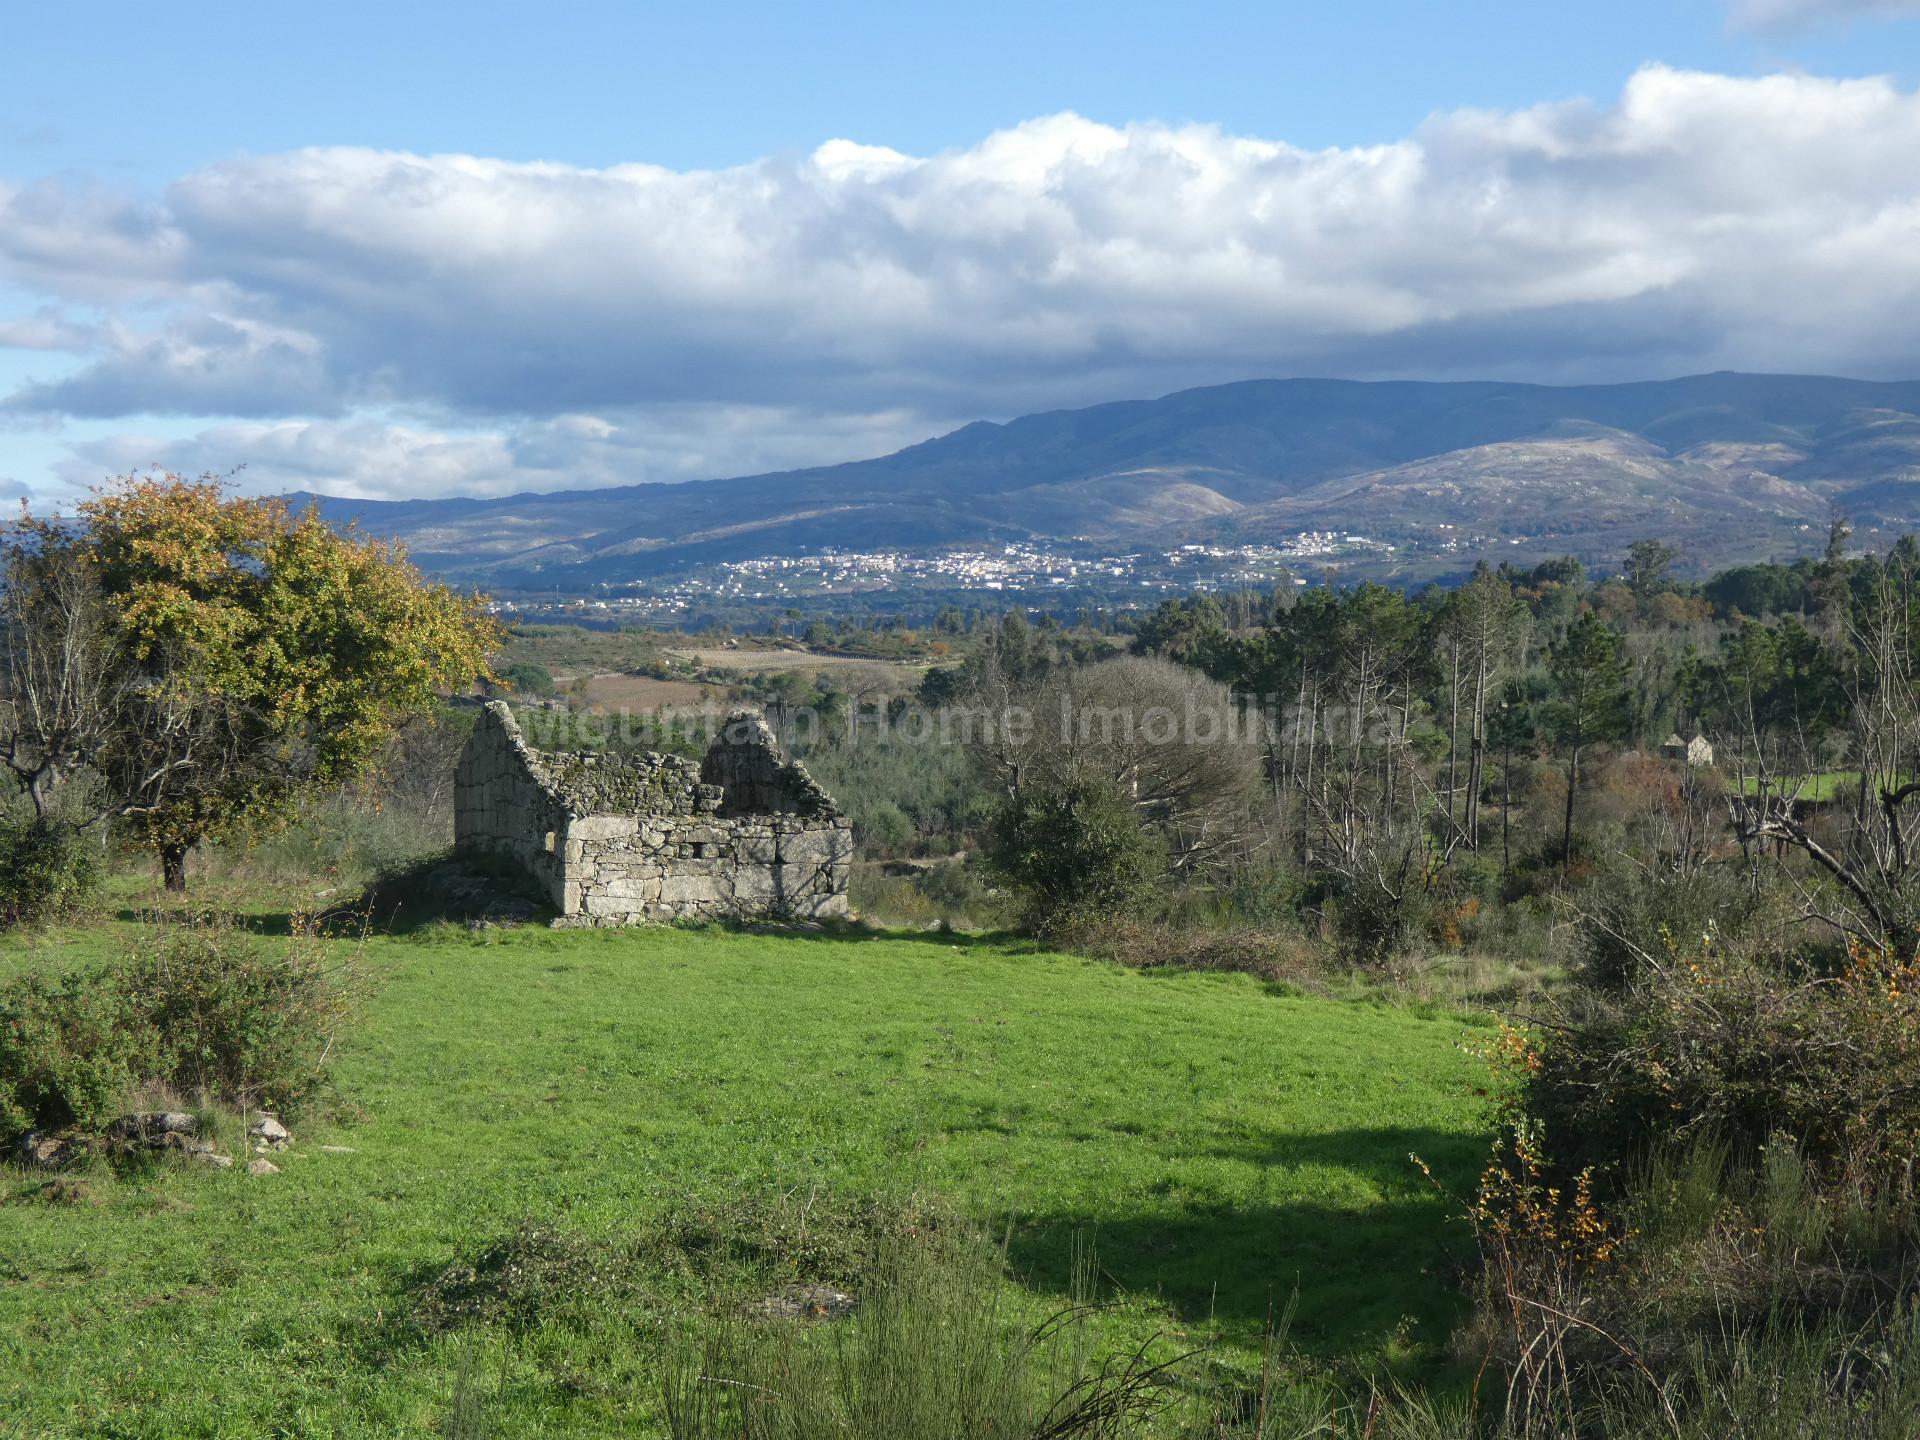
649 1101
643 694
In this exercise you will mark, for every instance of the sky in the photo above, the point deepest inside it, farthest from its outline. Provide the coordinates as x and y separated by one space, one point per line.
426 249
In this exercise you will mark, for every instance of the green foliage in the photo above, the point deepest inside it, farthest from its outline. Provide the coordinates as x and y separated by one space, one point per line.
1648 562
1075 850
47 869
1563 570
1373 915
1191 631
523 677
1590 704
1630 909
72 1049
1710 1040
883 775
1589 677
237 1017
199 1008
262 657
1777 684
1759 590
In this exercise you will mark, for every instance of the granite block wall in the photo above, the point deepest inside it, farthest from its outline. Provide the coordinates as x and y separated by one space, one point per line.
618 839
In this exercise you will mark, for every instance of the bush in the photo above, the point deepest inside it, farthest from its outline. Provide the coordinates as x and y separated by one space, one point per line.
71 1051
46 870
204 1009
1373 916
1712 1042
884 829
525 678
1075 851
237 1018
958 889
1706 1171
1631 908
1267 895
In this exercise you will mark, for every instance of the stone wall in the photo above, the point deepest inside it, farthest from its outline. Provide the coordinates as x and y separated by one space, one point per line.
503 808
616 839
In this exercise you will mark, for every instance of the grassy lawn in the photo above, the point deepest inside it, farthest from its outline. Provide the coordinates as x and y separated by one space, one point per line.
1820 788
1221 1145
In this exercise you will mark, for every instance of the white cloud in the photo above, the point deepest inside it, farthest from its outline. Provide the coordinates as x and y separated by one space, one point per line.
762 315
386 459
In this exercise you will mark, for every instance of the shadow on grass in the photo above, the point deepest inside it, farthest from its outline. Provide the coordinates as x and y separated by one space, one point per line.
1360 1271
856 932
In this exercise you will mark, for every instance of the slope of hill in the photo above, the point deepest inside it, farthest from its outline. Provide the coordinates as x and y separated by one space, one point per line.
657 1102
1729 462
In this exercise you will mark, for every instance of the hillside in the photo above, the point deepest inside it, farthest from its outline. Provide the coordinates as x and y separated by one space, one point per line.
651 1098
1735 465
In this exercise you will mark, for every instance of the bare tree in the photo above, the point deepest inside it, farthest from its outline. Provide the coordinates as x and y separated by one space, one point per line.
1482 631
1179 746
64 681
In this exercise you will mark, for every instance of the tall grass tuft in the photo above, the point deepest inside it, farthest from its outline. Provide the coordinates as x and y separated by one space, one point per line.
934 1352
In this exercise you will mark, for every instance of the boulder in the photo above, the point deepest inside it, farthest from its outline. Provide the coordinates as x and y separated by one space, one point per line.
153 1129
47 1152
268 1131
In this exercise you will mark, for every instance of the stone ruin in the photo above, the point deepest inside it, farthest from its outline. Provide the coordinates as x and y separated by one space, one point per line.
626 838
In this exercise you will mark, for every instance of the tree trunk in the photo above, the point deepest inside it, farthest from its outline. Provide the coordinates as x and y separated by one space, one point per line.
1506 802
173 868
1453 737
1566 842
1475 761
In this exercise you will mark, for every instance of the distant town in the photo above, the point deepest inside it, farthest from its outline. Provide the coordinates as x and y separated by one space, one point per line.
1025 570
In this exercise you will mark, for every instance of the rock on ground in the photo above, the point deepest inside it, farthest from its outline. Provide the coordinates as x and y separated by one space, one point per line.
269 1133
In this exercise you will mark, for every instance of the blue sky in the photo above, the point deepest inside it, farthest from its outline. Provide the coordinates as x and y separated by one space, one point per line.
144 91
656 262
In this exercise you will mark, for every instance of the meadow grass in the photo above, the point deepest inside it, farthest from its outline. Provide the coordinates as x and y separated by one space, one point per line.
1222 1145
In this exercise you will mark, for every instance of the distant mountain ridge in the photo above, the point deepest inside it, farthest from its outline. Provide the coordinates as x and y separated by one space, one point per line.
1730 464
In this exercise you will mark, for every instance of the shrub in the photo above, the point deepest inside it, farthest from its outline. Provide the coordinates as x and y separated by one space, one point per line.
46 870
1075 851
1632 908
1373 917
1714 1042
202 1009
237 1018
1264 894
525 678
71 1050
884 829
958 889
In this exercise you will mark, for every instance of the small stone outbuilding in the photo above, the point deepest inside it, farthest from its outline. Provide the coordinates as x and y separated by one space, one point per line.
1695 752
621 838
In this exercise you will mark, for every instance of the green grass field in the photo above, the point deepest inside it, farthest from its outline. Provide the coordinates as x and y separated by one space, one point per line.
1220 1144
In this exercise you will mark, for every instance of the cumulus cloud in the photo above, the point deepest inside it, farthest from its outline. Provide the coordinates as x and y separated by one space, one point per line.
385 459
766 314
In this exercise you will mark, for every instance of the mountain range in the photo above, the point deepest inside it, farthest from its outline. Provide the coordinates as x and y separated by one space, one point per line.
1729 466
